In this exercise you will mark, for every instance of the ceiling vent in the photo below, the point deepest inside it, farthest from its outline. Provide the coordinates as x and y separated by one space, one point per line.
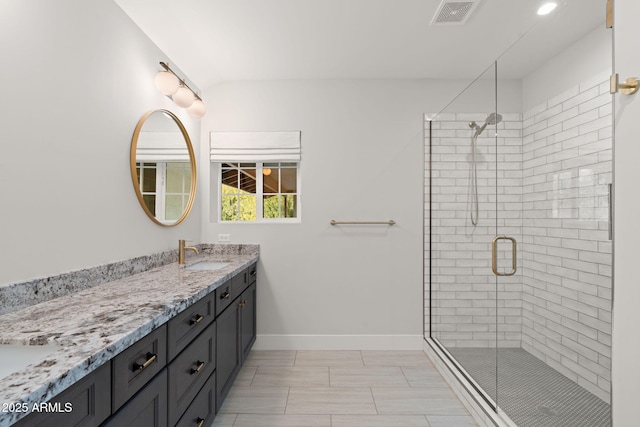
453 12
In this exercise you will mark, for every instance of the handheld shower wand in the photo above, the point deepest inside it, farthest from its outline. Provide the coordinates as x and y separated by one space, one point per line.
492 119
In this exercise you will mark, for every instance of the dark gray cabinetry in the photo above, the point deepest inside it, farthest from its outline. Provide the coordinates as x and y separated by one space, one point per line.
177 375
183 328
202 410
87 403
223 296
236 332
189 372
147 409
137 365
227 351
247 321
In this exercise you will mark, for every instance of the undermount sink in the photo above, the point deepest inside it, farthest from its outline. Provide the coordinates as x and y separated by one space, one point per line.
16 357
208 265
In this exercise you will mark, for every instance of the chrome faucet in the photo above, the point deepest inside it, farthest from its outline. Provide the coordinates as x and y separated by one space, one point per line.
182 249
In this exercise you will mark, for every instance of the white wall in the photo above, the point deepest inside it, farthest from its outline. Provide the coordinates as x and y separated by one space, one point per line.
76 77
324 286
578 63
626 315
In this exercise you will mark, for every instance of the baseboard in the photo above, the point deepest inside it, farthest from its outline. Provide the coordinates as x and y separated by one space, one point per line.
338 342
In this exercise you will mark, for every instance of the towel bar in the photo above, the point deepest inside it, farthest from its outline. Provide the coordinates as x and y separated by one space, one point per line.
390 222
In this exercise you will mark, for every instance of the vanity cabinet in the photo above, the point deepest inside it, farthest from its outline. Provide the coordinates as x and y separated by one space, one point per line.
190 371
177 375
236 332
147 409
89 400
247 321
203 408
137 365
227 351
183 328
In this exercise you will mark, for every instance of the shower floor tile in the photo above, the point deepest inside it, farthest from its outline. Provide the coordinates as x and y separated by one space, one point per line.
530 392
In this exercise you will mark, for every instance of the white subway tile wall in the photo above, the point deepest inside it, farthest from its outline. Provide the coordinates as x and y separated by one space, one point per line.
566 275
544 181
468 308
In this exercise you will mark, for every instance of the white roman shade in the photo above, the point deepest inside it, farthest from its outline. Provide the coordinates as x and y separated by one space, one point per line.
156 147
255 146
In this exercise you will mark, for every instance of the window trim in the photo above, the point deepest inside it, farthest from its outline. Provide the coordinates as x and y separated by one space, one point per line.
161 192
259 195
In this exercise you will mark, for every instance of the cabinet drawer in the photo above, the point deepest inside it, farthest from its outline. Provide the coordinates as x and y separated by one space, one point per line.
134 367
238 284
202 410
252 274
183 328
88 402
224 295
147 409
189 371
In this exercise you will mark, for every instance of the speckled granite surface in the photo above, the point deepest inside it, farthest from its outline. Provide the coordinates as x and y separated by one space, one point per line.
20 295
93 325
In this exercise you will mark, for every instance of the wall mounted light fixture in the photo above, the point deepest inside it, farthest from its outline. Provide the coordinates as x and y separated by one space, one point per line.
170 84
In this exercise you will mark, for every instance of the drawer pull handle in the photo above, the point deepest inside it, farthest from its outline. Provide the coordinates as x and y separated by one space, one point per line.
200 421
150 359
253 273
198 368
225 295
197 320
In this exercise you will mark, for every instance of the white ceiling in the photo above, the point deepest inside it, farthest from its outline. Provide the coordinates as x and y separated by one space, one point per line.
226 40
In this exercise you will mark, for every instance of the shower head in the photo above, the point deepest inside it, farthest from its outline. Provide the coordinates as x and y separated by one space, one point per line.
492 119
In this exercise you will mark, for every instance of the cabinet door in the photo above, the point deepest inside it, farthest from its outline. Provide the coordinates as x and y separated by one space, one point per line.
227 350
247 321
147 409
86 403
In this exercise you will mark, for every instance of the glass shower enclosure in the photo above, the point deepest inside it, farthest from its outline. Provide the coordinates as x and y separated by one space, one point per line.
518 247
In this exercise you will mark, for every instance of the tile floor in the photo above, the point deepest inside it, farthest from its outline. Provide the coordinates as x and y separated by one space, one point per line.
532 393
341 389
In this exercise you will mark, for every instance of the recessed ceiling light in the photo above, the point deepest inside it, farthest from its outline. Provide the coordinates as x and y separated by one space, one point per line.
547 8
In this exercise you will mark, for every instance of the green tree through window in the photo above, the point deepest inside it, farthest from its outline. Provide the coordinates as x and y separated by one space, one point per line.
274 184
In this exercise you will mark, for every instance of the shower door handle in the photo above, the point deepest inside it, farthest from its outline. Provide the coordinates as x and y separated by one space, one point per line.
610 201
494 255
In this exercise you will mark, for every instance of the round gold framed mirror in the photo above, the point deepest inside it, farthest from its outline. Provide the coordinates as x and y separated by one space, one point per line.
163 167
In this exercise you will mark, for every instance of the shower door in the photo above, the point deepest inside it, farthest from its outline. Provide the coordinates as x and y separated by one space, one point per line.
464 207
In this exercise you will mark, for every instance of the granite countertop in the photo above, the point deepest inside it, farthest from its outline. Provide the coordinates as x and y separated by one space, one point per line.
94 325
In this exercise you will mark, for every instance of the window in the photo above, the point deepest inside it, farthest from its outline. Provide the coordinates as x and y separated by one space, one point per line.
263 191
165 188
258 176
